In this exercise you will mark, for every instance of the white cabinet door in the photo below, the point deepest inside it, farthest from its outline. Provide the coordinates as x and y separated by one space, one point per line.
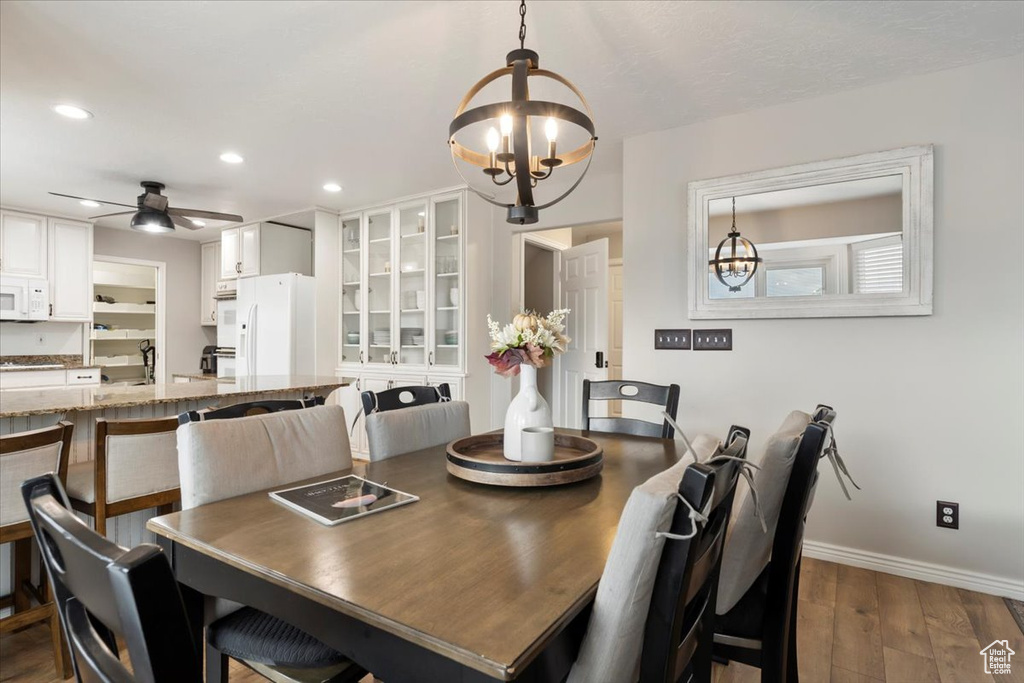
210 256
249 249
22 244
32 379
229 261
454 385
70 270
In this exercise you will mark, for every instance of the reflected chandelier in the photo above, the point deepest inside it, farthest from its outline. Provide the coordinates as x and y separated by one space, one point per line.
739 261
511 155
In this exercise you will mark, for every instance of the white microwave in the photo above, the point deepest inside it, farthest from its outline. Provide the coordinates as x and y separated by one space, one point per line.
23 298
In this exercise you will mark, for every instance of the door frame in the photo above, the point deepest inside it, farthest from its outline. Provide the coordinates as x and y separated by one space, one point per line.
159 366
556 248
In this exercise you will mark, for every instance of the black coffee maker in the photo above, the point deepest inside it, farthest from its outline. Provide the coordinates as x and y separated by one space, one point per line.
208 363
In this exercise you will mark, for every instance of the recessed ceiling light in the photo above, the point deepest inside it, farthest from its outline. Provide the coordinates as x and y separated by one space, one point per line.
231 158
90 203
197 223
71 111
332 187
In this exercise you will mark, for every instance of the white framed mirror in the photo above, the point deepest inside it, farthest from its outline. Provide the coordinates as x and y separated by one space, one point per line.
837 238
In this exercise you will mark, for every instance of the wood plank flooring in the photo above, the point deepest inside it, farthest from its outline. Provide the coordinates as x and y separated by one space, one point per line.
854 626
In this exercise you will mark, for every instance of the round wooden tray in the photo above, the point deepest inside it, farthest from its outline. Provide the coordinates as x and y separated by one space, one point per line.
479 458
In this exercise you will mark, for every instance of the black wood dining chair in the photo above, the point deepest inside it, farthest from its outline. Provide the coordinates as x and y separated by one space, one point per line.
679 629
667 397
104 592
760 630
404 397
249 409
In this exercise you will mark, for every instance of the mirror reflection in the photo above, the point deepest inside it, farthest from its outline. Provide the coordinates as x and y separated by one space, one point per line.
828 239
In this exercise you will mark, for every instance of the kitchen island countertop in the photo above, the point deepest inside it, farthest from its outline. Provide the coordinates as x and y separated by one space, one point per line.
23 402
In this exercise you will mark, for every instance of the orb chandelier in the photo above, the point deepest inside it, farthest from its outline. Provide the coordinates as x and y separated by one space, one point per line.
511 155
739 261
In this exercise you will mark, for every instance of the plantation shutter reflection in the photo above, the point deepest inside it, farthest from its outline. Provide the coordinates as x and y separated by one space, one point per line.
878 266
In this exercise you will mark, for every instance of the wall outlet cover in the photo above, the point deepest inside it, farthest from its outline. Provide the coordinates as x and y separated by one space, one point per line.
947 514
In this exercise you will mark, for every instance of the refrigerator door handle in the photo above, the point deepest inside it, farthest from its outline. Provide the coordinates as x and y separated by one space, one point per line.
252 340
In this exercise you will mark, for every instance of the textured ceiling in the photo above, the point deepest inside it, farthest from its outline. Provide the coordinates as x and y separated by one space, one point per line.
362 92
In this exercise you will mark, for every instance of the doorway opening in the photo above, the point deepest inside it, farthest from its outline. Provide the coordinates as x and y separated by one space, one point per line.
127 336
578 268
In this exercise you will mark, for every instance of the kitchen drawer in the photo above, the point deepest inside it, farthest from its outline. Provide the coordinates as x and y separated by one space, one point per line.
84 376
32 379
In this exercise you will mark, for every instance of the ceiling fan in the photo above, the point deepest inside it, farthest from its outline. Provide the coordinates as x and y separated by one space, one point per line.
152 214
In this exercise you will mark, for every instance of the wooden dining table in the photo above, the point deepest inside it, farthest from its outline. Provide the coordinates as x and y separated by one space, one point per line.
472 582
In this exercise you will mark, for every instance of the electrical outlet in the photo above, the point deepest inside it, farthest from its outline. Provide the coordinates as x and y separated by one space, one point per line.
712 340
40 340
672 339
947 515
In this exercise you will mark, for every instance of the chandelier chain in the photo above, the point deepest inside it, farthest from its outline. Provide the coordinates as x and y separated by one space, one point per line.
522 23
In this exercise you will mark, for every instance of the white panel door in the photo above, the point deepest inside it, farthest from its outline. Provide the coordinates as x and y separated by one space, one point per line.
615 332
229 261
583 279
249 249
22 244
70 270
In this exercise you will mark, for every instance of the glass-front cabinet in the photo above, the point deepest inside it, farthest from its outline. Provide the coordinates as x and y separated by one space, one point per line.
401 278
351 290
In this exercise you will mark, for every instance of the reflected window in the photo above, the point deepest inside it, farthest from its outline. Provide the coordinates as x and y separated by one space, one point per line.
795 281
877 265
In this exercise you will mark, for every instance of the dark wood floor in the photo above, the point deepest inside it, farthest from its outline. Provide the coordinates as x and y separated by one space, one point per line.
855 626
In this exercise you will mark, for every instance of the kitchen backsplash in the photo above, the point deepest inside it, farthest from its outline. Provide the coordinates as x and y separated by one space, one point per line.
41 339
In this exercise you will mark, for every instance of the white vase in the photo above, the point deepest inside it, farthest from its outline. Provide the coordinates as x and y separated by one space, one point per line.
528 409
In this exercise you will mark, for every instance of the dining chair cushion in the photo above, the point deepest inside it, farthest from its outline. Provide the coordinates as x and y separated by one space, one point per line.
748 547
82 481
140 464
225 458
18 466
395 432
611 647
704 446
251 635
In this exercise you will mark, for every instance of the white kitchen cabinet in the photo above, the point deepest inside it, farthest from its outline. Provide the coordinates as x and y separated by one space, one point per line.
211 263
23 240
70 266
265 249
49 379
229 261
83 376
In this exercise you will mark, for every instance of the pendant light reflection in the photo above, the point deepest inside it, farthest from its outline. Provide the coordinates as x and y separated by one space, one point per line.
735 259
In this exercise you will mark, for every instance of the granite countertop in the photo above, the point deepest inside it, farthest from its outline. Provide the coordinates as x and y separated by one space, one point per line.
21 402
36 363
201 376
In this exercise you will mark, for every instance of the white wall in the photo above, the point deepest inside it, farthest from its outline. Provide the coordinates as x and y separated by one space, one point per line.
929 408
22 339
185 336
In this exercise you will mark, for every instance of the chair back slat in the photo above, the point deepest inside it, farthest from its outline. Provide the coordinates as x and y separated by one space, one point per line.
404 397
103 590
678 632
624 390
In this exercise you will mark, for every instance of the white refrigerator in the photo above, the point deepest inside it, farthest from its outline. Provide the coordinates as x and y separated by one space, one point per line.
276 325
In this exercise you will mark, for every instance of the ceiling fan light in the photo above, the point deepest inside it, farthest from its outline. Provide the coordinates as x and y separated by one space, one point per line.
149 220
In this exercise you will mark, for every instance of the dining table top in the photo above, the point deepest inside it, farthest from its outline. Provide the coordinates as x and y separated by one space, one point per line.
480 574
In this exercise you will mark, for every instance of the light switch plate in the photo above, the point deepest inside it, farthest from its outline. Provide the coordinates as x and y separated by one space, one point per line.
677 340
712 340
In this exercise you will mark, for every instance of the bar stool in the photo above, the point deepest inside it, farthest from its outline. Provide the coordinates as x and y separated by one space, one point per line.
25 455
136 468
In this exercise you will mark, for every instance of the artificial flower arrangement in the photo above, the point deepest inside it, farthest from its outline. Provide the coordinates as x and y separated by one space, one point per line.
530 338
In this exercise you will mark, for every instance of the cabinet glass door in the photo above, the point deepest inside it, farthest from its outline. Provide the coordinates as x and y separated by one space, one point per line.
379 298
411 284
447 291
351 290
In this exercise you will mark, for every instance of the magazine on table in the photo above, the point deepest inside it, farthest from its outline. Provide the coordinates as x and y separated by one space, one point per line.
339 500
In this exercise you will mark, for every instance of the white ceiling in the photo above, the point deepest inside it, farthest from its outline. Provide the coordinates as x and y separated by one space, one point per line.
811 194
361 93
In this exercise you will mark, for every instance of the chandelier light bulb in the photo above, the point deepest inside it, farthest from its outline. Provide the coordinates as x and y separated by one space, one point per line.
506 125
492 140
551 129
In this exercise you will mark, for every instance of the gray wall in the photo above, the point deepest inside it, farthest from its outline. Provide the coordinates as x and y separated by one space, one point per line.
185 336
929 407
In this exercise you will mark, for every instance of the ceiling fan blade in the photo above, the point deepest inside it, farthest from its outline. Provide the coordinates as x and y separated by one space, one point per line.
155 201
101 201
185 223
108 215
212 215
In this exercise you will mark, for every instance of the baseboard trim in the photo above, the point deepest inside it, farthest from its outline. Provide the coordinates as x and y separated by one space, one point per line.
912 569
